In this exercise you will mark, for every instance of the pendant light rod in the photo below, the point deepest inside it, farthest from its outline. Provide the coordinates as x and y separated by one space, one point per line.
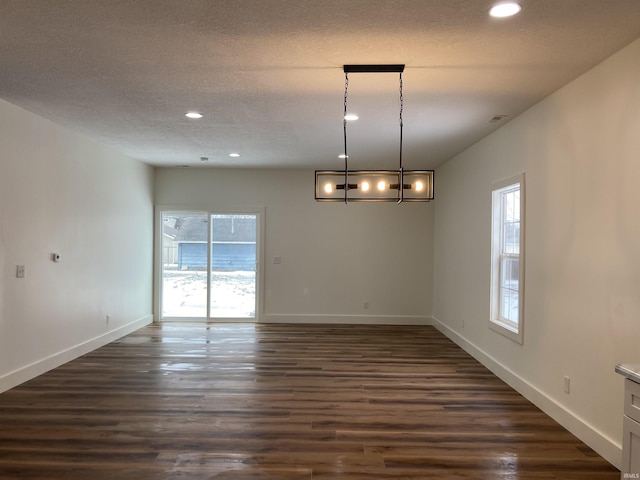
401 183
346 153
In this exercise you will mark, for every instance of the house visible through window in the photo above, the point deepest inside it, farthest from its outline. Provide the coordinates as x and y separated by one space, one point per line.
209 268
507 258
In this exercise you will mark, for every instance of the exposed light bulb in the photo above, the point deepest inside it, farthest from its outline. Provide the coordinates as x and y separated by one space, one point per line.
382 185
350 117
342 155
194 115
365 186
234 155
328 188
505 9
419 186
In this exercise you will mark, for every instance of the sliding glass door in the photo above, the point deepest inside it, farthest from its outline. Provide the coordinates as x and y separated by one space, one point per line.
184 264
233 266
209 265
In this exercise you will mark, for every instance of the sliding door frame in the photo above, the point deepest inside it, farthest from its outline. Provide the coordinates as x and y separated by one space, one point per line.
160 210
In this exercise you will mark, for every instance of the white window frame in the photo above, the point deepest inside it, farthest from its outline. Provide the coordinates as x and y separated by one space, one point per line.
505 326
160 210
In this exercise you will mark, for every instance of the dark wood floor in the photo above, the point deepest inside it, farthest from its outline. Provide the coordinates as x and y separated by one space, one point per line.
282 402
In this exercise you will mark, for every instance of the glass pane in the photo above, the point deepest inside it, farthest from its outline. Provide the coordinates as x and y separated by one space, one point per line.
511 220
511 204
509 305
233 265
509 283
509 272
374 185
514 307
514 274
184 264
511 239
504 303
328 186
418 184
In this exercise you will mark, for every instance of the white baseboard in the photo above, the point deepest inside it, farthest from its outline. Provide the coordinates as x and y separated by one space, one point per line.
347 319
598 441
317 319
21 375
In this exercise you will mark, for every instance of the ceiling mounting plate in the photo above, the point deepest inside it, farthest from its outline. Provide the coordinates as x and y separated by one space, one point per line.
394 68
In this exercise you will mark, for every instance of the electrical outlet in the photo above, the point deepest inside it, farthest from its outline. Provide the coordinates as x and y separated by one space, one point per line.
567 385
108 318
19 271
365 304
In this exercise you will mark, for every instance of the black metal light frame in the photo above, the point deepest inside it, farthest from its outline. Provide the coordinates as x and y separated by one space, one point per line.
392 185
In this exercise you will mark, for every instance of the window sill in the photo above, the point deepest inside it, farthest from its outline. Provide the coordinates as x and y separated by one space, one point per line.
507 330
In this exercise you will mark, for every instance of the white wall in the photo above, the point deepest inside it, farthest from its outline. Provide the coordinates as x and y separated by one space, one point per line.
334 256
580 149
60 192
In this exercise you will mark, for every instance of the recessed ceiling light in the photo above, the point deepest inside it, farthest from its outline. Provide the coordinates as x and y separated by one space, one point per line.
194 115
234 155
505 9
350 117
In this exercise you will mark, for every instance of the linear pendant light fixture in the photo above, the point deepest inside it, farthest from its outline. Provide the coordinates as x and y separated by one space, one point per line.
373 185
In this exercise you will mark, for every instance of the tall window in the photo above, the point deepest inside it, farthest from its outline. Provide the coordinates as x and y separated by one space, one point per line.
507 258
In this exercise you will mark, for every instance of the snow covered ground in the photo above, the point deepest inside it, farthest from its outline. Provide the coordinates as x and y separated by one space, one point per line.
184 294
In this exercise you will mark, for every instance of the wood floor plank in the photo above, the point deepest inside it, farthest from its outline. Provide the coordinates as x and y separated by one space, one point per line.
287 402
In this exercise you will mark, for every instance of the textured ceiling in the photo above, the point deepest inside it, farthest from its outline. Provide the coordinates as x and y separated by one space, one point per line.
267 74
